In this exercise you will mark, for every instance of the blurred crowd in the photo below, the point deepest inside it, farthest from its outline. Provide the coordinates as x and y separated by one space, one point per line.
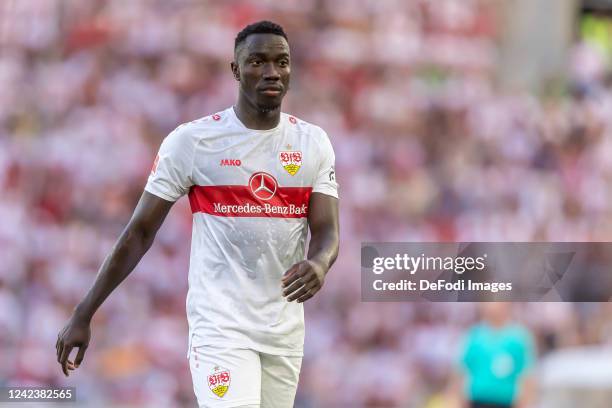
428 148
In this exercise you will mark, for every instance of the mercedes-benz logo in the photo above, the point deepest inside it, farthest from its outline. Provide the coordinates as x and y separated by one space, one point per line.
263 185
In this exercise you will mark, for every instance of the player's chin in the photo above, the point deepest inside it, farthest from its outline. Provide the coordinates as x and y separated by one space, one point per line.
269 106
270 102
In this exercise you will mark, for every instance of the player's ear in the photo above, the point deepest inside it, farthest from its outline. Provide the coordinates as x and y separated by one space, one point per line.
235 71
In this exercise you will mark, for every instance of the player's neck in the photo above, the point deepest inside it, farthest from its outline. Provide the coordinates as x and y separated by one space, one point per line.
256 119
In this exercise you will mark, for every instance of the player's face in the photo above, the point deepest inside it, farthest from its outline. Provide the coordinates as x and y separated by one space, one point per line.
263 70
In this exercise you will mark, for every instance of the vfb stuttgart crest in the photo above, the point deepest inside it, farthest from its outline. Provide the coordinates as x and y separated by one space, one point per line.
219 381
291 161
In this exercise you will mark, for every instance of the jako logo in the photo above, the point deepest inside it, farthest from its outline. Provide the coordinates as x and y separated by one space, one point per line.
230 162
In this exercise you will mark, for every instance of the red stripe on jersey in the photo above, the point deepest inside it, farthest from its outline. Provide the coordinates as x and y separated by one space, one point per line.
239 201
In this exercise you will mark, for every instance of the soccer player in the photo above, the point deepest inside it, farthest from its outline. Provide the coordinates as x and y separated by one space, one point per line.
257 179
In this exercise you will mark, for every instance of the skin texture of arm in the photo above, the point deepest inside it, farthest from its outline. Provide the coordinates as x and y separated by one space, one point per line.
133 243
304 279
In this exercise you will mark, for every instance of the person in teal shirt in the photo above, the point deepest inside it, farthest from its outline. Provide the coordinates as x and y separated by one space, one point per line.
496 360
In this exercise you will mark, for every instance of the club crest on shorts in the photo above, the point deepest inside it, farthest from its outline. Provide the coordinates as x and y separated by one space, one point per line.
219 381
291 161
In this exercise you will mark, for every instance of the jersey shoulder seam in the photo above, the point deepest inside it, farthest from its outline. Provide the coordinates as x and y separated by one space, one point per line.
309 125
198 134
204 123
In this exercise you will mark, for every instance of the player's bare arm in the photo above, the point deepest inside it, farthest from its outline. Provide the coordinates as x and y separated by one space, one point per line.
133 243
304 279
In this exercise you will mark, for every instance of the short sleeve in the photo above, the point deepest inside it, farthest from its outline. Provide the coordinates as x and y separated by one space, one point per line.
325 181
170 176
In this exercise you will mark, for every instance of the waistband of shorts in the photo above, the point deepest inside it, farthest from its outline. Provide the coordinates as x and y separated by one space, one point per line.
233 344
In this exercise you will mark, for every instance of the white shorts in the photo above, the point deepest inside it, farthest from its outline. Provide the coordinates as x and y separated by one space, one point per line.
230 377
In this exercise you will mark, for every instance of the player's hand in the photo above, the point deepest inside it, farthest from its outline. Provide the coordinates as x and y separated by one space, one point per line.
302 281
75 334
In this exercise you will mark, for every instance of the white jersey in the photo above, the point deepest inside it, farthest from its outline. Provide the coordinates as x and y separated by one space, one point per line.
249 193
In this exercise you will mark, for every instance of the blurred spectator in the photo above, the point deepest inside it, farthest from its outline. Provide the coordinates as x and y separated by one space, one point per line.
496 360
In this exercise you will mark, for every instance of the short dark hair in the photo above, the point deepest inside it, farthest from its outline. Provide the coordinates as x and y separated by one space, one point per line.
260 27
